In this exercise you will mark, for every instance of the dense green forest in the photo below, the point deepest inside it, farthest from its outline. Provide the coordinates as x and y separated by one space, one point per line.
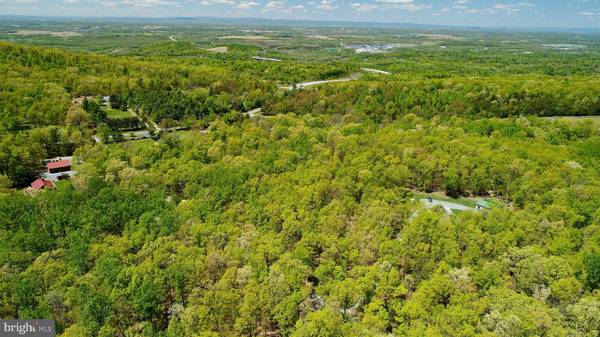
304 220
472 97
297 226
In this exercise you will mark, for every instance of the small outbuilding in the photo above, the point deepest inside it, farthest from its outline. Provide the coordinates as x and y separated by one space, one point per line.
40 184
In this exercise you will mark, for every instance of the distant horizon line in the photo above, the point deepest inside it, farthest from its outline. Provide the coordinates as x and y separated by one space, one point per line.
340 23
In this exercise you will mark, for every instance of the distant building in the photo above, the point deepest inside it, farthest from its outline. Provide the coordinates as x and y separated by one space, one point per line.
105 99
55 159
58 169
58 166
40 184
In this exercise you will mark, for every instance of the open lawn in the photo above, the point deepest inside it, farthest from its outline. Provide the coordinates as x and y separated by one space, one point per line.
116 114
188 134
442 197
135 146
470 202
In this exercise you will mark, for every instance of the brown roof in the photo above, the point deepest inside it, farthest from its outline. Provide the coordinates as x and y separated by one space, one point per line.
58 164
41 183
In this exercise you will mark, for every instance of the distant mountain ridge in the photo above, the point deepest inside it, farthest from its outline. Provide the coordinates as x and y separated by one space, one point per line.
293 23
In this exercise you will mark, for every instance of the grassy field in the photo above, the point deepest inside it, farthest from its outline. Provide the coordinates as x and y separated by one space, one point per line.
441 197
136 145
116 114
133 146
469 202
188 134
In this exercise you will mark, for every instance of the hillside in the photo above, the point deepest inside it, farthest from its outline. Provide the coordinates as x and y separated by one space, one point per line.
309 217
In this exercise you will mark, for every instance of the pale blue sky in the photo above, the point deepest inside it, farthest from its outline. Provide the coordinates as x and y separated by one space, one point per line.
513 13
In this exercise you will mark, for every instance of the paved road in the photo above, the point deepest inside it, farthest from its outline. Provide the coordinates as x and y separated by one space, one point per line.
137 134
448 206
128 136
375 71
207 130
313 83
345 79
156 127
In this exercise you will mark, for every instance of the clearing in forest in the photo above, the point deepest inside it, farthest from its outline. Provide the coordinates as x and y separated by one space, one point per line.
116 113
218 50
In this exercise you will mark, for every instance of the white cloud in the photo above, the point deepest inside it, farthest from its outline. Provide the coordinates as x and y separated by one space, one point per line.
147 3
282 7
407 5
327 5
297 8
274 6
217 2
590 15
247 5
109 3
512 8
461 4
363 7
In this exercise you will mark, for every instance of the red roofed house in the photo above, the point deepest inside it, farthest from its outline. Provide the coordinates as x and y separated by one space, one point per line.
42 183
58 166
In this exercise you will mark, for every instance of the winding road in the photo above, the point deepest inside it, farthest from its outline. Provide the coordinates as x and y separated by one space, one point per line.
345 79
375 71
313 83
448 206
